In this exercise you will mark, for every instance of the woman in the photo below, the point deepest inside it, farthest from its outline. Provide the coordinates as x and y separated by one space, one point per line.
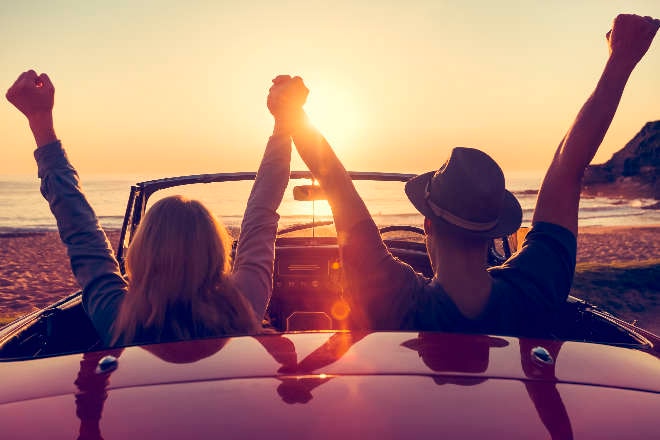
181 284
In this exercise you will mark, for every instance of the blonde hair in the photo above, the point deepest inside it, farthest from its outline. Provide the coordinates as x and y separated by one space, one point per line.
178 266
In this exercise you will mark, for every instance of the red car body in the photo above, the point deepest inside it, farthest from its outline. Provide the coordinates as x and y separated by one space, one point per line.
339 385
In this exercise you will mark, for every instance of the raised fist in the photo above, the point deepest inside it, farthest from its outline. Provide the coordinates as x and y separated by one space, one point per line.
631 36
32 94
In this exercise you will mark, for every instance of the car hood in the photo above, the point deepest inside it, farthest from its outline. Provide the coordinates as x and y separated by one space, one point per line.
345 384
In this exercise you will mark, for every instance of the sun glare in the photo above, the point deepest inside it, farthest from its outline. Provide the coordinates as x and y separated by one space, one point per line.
333 109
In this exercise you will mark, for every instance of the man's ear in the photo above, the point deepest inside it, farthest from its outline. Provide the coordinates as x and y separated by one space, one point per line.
428 226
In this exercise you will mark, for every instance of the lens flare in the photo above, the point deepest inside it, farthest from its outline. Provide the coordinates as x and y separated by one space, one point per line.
340 310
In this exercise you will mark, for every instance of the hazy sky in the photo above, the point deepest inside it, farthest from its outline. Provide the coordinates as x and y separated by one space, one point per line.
171 87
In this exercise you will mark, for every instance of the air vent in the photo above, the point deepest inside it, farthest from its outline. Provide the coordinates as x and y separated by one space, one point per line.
303 267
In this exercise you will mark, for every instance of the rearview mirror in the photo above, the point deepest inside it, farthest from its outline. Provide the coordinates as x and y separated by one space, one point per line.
307 193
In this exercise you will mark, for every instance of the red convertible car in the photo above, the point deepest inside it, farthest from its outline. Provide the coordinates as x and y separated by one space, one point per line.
592 376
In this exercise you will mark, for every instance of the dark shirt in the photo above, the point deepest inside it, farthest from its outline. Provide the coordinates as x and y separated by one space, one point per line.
527 289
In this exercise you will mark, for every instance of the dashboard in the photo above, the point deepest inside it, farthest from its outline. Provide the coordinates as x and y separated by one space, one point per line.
308 285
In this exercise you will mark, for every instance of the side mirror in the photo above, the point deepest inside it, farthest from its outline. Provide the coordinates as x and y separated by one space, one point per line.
308 193
516 240
502 248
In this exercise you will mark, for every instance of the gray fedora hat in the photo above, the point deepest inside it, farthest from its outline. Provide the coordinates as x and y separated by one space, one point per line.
468 194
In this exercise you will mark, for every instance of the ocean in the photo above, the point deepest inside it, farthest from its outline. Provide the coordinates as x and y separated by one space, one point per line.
22 208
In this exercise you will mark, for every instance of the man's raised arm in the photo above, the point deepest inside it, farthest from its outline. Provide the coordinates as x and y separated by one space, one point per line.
559 197
286 99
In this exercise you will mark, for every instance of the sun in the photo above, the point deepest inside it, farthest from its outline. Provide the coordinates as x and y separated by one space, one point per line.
333 108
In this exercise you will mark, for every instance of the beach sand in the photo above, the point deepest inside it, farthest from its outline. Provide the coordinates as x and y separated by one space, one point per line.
605 244
35 271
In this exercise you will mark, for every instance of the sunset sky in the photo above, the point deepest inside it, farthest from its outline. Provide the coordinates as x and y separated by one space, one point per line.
170 87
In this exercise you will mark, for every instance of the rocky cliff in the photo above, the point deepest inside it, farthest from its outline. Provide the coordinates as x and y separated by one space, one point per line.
633 171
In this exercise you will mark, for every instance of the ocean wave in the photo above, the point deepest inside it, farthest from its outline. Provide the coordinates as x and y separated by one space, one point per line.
526 192
9 231
111 218
611 215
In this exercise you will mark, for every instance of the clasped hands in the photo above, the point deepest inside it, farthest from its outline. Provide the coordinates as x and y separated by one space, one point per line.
286 98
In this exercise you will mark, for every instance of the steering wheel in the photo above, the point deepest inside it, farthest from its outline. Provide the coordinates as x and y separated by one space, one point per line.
300 227
404 242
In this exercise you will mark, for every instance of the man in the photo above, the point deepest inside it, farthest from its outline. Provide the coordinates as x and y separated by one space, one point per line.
465 205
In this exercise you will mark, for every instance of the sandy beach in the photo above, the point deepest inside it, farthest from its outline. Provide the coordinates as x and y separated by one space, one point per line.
606 244
35 270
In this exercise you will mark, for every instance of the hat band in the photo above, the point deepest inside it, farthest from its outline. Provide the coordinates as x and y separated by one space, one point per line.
458 221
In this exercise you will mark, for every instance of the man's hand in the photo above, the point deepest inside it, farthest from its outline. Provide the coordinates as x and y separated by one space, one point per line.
630 37
34 96
285 101
559 197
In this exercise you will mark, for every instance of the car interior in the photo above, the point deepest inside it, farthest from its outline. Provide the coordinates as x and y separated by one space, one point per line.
307 289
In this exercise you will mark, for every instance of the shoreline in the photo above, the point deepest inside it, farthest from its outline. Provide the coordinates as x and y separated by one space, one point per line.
581 229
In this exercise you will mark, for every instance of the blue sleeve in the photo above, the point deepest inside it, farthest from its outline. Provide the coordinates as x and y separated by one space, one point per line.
541 273
92 259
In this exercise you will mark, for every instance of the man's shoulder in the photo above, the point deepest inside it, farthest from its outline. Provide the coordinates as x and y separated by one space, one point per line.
547 229
540 274
543 243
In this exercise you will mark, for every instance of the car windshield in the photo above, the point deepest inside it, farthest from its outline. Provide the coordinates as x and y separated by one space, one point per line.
385 200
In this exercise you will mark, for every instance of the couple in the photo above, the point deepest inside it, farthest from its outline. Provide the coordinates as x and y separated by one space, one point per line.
464 203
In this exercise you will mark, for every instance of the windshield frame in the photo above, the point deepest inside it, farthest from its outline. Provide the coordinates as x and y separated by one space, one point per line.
142 191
